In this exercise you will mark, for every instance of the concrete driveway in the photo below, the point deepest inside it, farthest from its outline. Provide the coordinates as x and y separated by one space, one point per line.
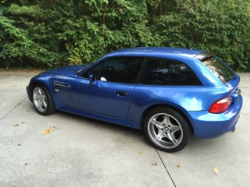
84 152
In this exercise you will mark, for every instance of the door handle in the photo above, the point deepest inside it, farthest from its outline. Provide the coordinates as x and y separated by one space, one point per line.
119 93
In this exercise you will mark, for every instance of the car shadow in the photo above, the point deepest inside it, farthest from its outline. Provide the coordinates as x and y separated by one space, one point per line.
137 135
98 124
194 145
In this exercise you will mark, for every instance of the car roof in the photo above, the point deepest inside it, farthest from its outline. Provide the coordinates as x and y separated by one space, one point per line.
159 50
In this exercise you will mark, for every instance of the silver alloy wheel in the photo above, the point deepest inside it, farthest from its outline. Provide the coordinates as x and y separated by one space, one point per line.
165 130
40 99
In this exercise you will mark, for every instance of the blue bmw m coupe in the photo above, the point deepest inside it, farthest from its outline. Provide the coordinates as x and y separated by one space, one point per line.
170 93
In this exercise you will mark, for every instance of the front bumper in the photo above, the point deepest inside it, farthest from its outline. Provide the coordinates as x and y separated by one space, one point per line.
29 92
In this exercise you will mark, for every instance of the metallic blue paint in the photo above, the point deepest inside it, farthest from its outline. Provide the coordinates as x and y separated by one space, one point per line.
101 100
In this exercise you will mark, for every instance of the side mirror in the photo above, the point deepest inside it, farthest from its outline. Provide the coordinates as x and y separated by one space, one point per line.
92 78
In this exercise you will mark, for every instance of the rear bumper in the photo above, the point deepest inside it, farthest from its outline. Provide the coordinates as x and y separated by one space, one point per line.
208 125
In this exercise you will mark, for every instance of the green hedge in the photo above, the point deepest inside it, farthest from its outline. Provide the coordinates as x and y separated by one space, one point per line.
51 33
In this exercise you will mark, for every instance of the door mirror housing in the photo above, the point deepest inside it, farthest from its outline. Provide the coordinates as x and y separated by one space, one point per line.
91 78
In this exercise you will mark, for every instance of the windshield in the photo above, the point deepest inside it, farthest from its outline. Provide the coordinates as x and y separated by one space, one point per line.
80 70
219 68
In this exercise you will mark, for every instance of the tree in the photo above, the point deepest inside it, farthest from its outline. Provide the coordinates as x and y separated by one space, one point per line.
51 33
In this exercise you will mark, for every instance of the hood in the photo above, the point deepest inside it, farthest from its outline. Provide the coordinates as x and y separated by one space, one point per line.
67 70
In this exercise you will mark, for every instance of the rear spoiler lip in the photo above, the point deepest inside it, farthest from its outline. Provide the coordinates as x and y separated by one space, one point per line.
203 56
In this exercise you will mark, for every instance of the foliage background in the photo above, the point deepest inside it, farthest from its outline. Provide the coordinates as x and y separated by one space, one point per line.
51 33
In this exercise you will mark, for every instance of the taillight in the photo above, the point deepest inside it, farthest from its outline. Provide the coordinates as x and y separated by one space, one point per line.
220 106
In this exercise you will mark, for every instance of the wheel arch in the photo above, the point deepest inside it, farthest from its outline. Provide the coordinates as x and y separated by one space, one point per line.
36 83
49 107
144 114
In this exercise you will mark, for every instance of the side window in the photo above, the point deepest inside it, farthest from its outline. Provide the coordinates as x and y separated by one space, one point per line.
95 70
117 69
167 72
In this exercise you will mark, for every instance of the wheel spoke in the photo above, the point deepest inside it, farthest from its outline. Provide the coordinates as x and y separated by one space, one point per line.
171 137
43 97
160 135
157 124
166 120
43 100
39 105
40 92
174 128
44 104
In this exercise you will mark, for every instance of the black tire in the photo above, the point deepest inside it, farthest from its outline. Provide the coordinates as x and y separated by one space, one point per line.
42 100
166 129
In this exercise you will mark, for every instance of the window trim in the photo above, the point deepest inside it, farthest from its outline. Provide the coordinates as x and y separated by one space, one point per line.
106 59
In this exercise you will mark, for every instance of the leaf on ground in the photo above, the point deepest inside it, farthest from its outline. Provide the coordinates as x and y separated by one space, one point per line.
140 153
216 171
178 165
16 125
48 130
45 131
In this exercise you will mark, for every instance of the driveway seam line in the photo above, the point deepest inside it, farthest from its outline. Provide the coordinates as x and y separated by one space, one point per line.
245 94
13 108
166 168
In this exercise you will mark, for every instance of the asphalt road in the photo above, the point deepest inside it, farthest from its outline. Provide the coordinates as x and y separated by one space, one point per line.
84 152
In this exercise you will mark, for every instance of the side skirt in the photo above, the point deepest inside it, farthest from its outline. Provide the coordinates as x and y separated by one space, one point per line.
101 117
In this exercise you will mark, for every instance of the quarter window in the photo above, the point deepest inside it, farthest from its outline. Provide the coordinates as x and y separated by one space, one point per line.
167 72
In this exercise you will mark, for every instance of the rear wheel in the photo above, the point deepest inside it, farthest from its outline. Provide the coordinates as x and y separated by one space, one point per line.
43 101
166 129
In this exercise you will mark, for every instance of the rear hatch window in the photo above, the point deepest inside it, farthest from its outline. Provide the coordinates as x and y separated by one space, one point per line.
219 68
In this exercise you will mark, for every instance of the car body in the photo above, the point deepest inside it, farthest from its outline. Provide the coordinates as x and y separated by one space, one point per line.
169 93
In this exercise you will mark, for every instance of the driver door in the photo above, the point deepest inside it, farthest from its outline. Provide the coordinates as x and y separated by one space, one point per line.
111 91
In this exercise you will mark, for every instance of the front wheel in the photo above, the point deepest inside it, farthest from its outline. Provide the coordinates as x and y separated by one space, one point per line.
166 129
43 101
